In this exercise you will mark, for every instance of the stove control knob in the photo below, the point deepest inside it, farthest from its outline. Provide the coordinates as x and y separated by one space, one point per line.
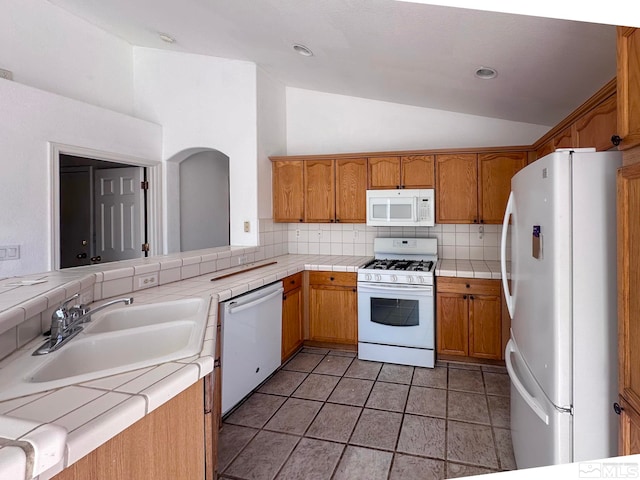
410 279
367 277
378 277
394 278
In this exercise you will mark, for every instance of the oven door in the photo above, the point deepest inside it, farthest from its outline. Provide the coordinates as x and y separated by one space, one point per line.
390 314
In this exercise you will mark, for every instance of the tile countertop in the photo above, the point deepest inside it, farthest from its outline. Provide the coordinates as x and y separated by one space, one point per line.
66 424
469 269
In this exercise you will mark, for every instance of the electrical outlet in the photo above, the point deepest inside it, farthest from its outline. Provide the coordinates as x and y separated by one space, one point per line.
242 259
9 252
6 74
148 280
297 233
355 234
246 227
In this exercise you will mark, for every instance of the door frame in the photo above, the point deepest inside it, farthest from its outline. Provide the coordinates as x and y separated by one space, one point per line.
154 194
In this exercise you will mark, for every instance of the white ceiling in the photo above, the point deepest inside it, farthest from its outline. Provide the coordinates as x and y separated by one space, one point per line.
409 53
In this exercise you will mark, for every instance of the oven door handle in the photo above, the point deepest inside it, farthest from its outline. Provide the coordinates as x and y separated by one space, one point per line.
373 288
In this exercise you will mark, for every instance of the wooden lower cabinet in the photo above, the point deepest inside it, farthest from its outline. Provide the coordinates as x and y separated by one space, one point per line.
469 318
166 444
333 307
629 430
292 302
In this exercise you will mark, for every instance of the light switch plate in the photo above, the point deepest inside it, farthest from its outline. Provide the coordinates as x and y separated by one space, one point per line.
9 252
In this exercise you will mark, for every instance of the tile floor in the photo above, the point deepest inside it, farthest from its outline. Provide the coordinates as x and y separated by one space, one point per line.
327 415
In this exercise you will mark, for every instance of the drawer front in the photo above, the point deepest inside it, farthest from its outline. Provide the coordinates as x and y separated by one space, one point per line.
342 279
292 282
477 286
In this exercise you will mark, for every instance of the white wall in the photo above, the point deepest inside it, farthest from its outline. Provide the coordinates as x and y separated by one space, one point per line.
47 48
204 201
272 134
203 102
29 119
320 123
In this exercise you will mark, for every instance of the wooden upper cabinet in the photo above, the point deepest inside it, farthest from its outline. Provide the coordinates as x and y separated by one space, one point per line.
596 127
412 171
416 171
494 177
628 87
351 190
384 172
565 139
319 191
288 191
545 149
456 188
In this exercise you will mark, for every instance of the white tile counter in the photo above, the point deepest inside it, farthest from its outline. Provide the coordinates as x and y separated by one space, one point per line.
468 269
82 417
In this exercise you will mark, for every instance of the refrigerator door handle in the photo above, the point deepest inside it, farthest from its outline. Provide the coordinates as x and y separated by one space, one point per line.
503 255
531 401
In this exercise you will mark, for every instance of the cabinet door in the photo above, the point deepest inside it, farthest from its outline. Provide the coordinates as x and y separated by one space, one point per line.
457 188
596 127
351 190
629 283
288 191
164 445
628 86
384 172
291 322
565 139
545 149
452 323
494 176
319 191
333 314
417 171
629 430
485 332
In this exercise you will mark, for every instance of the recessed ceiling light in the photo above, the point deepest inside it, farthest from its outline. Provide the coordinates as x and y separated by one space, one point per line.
302 50
166 38
486 73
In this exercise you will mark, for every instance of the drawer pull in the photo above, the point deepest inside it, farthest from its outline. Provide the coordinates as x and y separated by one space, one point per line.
468 286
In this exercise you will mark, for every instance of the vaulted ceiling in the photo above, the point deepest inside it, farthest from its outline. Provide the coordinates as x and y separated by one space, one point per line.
402 52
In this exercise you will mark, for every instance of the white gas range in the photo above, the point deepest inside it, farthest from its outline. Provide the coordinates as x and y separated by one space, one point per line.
396 302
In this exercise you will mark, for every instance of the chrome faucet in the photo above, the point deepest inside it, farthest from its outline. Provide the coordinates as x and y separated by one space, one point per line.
65 322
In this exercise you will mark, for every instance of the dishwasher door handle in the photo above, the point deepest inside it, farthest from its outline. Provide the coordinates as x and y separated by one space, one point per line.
235 308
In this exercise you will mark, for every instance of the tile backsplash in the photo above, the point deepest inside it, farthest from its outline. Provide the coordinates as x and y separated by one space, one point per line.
462 242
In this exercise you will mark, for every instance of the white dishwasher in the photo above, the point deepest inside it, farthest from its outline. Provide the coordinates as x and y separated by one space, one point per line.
251 341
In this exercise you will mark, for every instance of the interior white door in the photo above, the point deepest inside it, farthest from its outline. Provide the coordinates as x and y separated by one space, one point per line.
118 213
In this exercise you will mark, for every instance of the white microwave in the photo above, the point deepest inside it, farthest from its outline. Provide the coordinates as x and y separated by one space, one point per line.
401 208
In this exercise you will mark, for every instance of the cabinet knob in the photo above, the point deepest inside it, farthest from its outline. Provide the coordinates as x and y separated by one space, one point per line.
617 408
475 220
284 297
292 282
471 297
615 139
332 220
337 219
332 278
355 290
464 297
301 220
397 186
481 220
468 286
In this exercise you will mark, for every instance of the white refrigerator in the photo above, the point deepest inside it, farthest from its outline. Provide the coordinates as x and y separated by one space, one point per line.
562 354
